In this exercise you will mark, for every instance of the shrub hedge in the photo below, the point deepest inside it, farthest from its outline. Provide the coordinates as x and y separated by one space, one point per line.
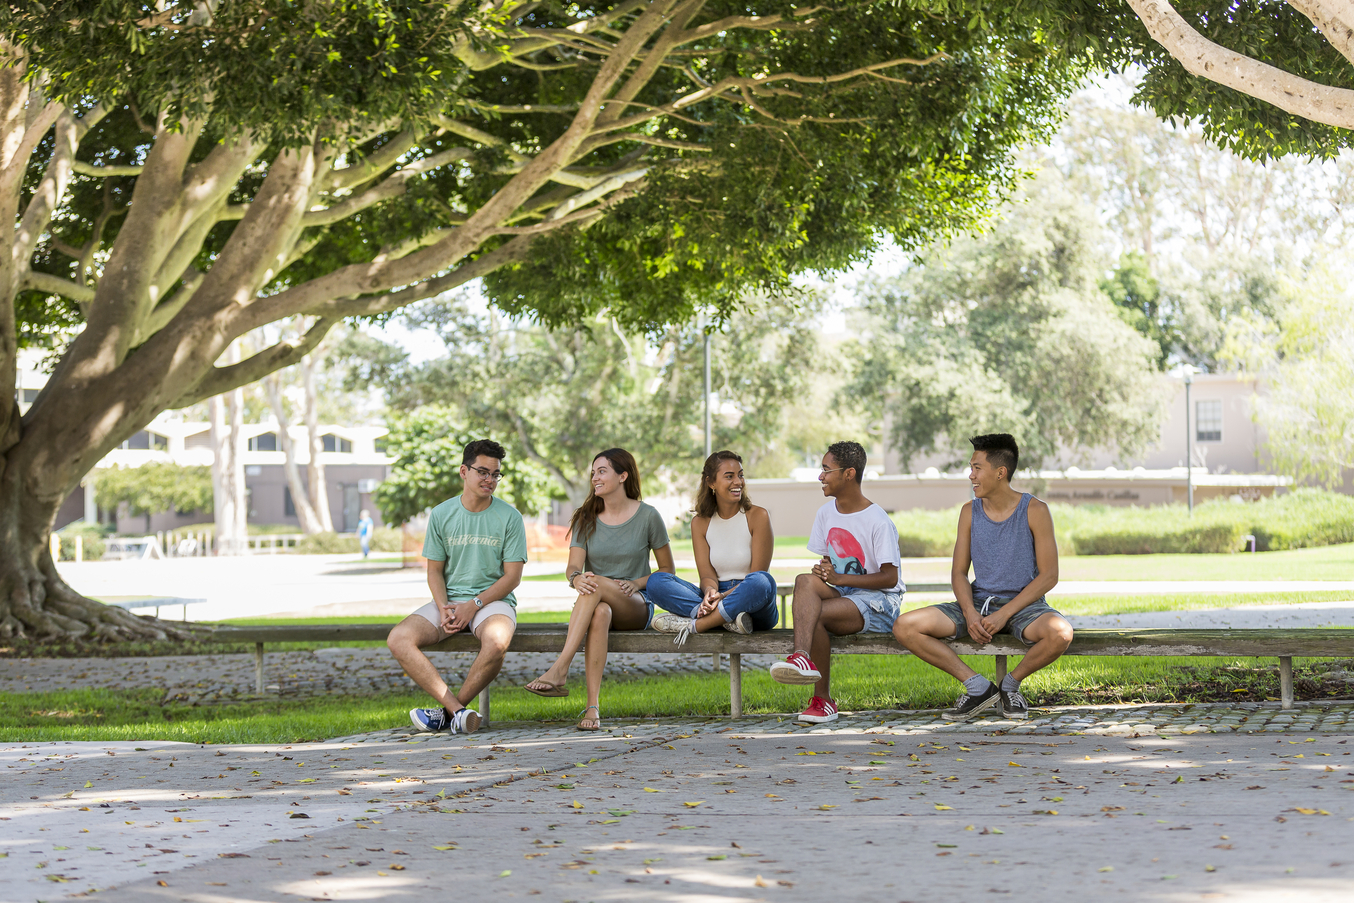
383 539
1300 519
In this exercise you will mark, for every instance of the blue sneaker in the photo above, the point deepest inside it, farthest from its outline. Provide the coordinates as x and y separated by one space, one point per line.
431 719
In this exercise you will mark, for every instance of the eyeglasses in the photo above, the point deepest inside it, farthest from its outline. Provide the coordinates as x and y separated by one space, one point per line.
489 474
827 470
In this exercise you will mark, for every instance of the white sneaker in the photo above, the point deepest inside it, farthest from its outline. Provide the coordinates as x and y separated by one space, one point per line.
464 721
741 624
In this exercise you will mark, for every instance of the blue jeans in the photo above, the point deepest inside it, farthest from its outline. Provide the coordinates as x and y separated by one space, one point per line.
754 594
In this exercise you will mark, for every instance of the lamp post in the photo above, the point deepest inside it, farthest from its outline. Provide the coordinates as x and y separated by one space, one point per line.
1189 444
705 335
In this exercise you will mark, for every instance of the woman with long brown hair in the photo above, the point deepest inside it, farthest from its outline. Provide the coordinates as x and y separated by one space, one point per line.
613 533
732 541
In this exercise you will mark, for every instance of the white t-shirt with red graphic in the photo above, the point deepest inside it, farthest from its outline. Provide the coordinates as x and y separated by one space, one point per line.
857 543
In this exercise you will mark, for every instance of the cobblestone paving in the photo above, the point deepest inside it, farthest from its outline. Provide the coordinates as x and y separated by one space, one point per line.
345 671
1120 721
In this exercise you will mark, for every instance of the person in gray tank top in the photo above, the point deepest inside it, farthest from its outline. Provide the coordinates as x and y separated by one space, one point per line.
1007 536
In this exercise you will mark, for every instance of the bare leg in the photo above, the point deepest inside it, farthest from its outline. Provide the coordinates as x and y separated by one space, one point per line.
713 621
627 613
1052 635
818 609
406 643
923 633
495 633
580 621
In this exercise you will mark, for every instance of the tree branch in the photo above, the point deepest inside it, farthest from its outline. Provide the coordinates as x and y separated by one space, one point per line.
225 379
1205 59
392 186
104 172
55 285
1336 21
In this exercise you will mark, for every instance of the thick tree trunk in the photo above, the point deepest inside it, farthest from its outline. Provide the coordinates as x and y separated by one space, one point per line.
228 489
34 601
319 487
300 494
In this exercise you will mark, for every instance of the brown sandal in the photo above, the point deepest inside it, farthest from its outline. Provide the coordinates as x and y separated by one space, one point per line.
597 718
555 690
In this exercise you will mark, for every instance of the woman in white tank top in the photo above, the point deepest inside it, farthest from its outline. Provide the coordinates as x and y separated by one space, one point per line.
732 541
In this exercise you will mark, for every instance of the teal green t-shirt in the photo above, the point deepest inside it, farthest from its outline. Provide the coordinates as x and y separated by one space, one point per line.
474 544
622 552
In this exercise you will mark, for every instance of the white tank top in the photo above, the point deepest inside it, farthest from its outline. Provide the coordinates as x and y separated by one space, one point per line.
730 546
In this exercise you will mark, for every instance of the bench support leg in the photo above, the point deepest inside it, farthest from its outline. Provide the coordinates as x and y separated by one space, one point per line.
1001 668
736 684
258 668
715 660
1286 681
484 707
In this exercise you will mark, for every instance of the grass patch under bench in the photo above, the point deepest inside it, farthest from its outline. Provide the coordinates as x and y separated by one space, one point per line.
860 683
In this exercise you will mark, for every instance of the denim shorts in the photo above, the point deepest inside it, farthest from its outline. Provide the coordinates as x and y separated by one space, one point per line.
878 607
1019 622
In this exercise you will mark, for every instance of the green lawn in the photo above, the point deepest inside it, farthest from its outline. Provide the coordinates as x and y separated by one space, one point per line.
1325 563
860 683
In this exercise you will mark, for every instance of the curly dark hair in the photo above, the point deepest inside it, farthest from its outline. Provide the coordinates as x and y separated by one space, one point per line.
487 447
849 454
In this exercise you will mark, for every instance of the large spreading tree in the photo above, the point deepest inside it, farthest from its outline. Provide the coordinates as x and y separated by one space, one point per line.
180 173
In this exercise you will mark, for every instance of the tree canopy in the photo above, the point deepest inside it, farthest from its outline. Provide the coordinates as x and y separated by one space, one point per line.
1009 332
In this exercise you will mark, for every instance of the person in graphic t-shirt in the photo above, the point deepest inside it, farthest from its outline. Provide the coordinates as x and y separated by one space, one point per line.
855 588
1007 536
476 547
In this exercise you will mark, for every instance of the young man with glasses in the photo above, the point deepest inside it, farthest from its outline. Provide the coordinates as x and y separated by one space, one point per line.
476 546
855 588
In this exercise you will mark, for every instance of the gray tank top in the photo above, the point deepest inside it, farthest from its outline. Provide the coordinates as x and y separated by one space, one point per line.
1003 553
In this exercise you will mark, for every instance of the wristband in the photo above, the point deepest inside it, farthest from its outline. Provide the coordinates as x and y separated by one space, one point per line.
571 578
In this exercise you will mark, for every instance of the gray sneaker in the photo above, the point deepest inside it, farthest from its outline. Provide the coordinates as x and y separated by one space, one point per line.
741 624
464 721
667 622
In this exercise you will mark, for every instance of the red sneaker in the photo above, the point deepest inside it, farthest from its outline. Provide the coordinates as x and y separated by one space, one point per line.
797 669
820 710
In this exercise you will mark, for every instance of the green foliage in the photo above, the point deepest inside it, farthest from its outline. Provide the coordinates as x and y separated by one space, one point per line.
383 539
1306 355
427 444
1008 332
156 486
1301 519
560 396
92 545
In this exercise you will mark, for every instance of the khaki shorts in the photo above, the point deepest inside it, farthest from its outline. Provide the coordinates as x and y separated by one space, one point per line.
430 614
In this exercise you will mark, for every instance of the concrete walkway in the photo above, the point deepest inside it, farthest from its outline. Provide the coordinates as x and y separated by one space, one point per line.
681 811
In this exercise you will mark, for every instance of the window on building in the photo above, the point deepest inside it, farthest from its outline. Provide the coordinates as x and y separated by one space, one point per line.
199 440
145 440
30 395
380 445
263 442
334 443
1208 421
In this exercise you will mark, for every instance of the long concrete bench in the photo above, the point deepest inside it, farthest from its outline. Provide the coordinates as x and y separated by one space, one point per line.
1281 644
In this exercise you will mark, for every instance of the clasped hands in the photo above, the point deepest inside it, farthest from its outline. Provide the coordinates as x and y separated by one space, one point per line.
456 616
586 583
983 628
825 572
711 601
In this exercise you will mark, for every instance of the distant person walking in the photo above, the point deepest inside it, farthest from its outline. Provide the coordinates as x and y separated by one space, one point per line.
364 530
476 546
732 542
1007 536
613 534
